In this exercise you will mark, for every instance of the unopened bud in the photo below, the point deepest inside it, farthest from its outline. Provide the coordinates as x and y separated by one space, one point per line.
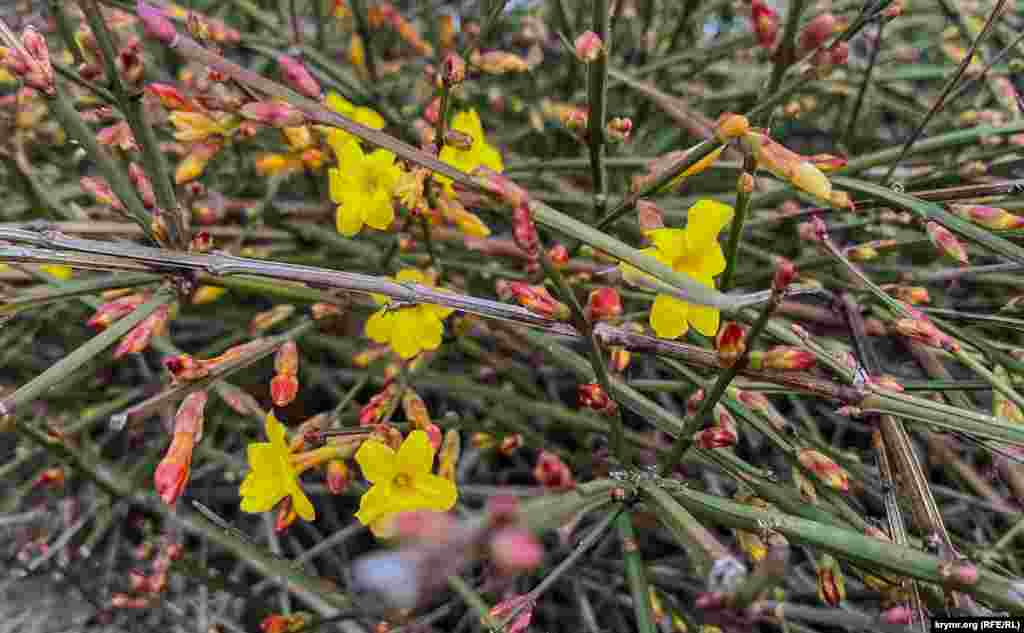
338 476
765 22
559 255
990 217
156 24
286 515
448 456
453 69
649 216
785 273
298 77
603 304
589 47
534 298
745 183
515 550
922 330
273 113
816 33
592 396
730 126
730 343
618 129
458 140
825 469
831 584
266 320
415 410
137 340
185 368
946 242
552 473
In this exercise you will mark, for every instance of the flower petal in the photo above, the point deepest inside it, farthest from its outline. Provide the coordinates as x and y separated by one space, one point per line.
670 242
379 211
275 433
433 492
431 330
349 218
404 335
710 263
339 104
704 221
703 318
377 502
379 325
668 317
412 275
377 461
263 499
301 503
416 455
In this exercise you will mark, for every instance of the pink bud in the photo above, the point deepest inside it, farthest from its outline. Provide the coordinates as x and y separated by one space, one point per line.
298 77
946 242
816 32
785 273
273 113
589 47
515 550
522 606
898 615
156 24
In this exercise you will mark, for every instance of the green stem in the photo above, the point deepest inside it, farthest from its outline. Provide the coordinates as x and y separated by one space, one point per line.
597 97
636 575
743 199
786 53
76 359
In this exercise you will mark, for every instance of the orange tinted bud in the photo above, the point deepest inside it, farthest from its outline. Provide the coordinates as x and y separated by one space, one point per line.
886 382
913 295
111 311
730 343
277 623
559 255
603 304
137 340
415 410
730 126
374 410
195 162
172 472
201 242
831 585
34 68
185 368
240 402
534 298
124 601
169 96
990 217
274 316
785 273
448 457
499 62
592 396
338 476
552 473
283 389
618 129
618 359
501 187
453 69
273 113
117 135
827 162
862 252
765 22
589 47
286 360
434 434
830 473
510 443
286 515
841 200
50 477
322 311
922 330
783 358
142 185
100 190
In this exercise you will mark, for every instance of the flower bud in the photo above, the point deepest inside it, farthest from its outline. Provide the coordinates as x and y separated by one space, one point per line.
618 129
816 33
283 389
534 298
603 304
195 162
111 311
459 140
827 163
649 216
716 437
515 550
240 402
731 126
499 62
730 343
914 295
117 135
34 69
156 24
415 409
273 113
185 368
521 605
338 476
453 69
298 77
788 165
142 185
990 217
924 331
552 473
100 190
502 188
783 358
451 449
169 96
765 22
324 311
592 396
137 340
899 615
589 47
172 472
785 273
374 410
830 473
272 317
286 515
831 584
559 256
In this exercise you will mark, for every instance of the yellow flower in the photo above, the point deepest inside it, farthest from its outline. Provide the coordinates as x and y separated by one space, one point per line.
273 477
479 152
207 294
408 330
58 270
693 251
403 481
363 116
362 186
196 126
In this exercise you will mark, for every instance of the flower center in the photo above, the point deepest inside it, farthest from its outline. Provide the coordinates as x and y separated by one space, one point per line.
402 480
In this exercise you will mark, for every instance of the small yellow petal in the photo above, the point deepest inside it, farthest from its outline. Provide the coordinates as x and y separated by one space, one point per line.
377 461
704 221
377 502
668 317
379 325
704 319
302 505
416 455
433 492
